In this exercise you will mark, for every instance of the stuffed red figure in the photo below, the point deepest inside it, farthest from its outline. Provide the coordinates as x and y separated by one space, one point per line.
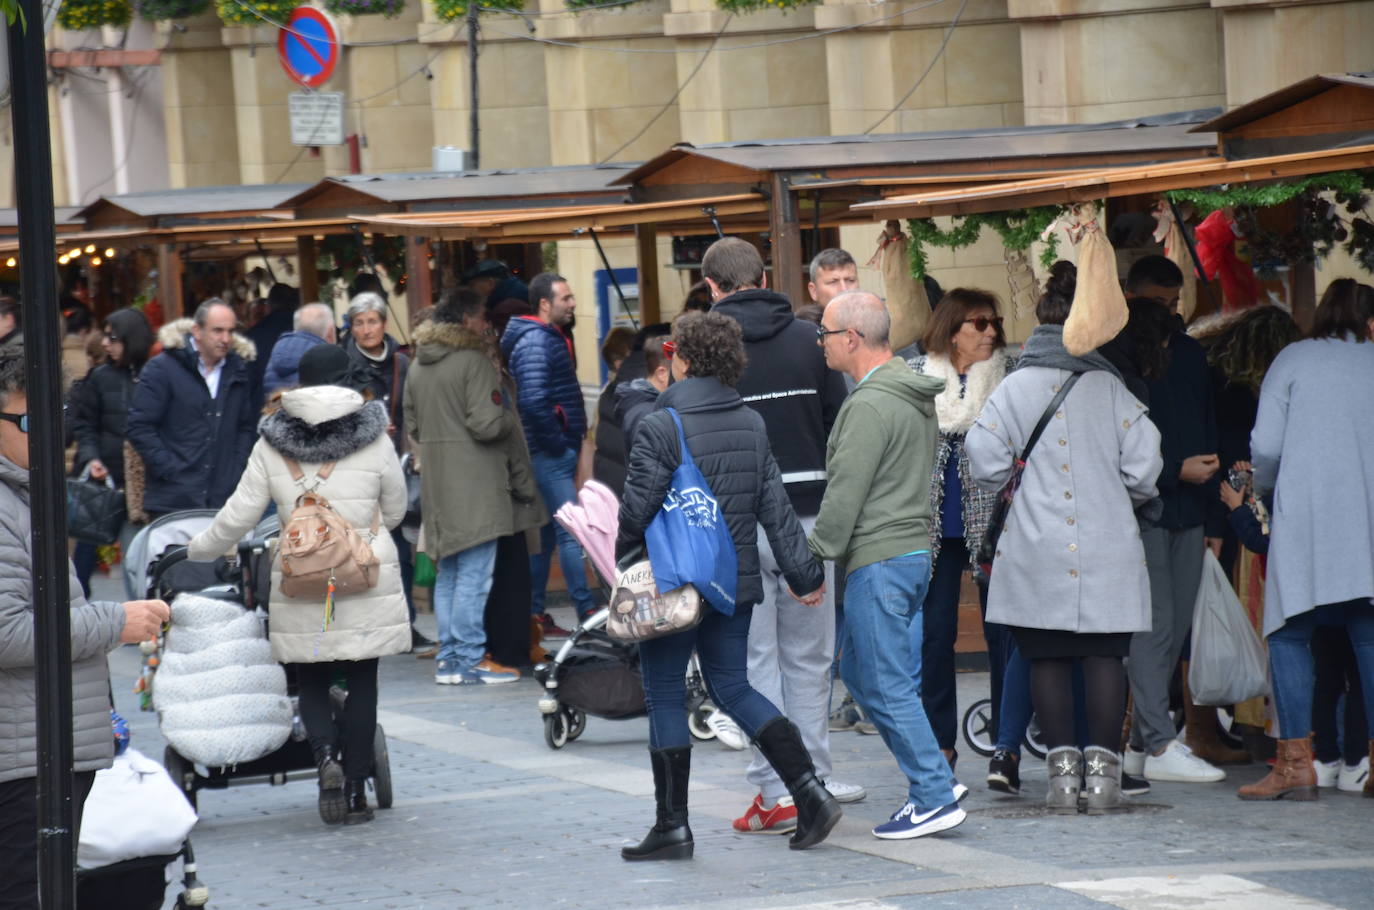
1216 247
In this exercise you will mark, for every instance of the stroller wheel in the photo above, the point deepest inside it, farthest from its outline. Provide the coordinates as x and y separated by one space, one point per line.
978 727
556 730
576 722
182 773
381 769
696 722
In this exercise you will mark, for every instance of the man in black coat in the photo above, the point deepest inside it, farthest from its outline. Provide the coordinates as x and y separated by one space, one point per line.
791 646
194 414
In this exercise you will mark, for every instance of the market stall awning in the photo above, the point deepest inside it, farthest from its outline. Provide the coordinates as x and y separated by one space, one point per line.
1112 182
553 223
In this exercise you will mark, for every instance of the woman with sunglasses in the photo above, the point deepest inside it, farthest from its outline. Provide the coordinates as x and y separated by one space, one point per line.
99 405
964 345
729 444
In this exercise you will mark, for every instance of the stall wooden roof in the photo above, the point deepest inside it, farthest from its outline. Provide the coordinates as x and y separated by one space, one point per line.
166 208
1319 112
1111 182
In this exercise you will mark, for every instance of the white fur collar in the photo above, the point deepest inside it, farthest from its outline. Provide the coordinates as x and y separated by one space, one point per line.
956 408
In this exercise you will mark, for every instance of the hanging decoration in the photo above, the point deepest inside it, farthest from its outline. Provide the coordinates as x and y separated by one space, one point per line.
1018 228
907 302
1169 233
164 10
1216 248
75 15
342 256
1025 288
1098 313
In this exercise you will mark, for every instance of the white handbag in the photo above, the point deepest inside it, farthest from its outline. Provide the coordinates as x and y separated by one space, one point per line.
134 809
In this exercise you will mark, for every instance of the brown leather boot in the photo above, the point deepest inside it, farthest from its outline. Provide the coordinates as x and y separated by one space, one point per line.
1200 732
1369 781
1293 776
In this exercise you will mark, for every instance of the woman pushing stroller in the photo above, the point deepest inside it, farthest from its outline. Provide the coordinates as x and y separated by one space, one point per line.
325 439
728 442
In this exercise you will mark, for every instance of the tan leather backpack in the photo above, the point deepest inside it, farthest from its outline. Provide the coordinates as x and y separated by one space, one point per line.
319 548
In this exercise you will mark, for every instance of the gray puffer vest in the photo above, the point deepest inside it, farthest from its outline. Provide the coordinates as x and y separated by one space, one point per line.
95 632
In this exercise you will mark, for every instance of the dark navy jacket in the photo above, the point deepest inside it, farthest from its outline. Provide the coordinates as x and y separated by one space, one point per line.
284 366
193 447
549 397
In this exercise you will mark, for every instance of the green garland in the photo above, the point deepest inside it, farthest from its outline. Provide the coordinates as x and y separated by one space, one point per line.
1209 199
1018 228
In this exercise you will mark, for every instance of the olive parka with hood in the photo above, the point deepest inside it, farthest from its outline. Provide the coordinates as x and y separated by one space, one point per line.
475 479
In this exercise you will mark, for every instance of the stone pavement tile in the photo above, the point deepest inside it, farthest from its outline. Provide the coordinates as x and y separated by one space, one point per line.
1351 888
996 899
1197 892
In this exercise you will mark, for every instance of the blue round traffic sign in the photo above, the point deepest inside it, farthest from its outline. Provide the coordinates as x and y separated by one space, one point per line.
308 46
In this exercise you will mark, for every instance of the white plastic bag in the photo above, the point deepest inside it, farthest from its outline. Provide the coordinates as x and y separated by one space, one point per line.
1228 663
135 809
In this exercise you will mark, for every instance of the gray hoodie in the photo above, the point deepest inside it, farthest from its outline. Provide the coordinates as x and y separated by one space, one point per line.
96 628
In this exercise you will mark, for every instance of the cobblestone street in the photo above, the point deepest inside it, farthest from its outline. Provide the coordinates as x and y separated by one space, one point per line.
487 815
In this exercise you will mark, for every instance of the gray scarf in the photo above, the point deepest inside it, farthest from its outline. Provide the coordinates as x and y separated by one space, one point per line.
1045 348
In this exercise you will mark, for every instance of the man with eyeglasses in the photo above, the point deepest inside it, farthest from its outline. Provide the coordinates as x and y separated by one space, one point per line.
875 518
791 646
97 629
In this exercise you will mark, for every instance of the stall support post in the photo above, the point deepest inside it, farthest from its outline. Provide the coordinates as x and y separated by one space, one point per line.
419 279
646 249
169 282
305 262
785 226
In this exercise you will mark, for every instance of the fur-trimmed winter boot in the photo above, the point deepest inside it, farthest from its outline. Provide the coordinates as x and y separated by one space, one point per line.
1102 780
1065 766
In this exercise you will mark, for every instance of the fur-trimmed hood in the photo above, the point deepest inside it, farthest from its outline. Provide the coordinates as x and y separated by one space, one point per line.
960 403
173 337
435 340
320 424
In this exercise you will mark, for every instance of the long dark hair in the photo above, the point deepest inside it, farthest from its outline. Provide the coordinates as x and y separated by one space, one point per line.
131 327
1346 308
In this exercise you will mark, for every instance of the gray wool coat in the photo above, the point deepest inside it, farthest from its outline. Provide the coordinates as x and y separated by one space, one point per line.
1070 556
1313 445
96 628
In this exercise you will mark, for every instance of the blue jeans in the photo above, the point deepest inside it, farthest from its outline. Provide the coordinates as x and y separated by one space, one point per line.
555 477
882 606
722 645
461 586
1290 662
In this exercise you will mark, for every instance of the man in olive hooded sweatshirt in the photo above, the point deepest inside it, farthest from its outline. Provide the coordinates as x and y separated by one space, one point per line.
876 517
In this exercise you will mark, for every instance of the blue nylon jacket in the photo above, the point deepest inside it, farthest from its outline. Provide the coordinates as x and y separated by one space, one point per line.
549 397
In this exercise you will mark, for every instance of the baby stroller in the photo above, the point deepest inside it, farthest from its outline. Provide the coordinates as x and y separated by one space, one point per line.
243 581
592 673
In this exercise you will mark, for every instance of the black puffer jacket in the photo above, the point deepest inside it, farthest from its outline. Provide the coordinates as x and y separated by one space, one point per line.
730 446
612 445
99 406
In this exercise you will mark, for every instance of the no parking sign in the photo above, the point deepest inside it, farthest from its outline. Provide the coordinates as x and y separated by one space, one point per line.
308 46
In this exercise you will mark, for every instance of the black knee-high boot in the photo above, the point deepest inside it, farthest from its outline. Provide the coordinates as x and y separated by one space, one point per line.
817 811
669 838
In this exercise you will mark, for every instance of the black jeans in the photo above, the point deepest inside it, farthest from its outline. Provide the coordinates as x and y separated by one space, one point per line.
19 837
507 615
940 627
405 557
360 711
1337 674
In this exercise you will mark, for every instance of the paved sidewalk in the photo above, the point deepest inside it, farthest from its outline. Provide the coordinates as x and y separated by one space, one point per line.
486 815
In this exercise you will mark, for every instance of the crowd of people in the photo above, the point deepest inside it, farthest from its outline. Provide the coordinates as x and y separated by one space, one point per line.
859 485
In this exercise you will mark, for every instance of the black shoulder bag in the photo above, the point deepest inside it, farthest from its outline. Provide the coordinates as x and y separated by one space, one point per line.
987 550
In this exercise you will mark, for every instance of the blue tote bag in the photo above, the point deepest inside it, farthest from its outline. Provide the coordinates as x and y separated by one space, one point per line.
688 540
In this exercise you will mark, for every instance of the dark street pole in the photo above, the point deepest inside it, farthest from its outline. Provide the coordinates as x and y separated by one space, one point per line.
47 490
474 131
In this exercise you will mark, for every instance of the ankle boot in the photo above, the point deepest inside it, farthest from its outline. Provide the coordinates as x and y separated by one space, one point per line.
1065 765
1102 780
331 779
358 811
817 810
670 837
1293 776
1200 732
1369 781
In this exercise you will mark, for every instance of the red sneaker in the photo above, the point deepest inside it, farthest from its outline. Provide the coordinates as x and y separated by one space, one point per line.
552 630
780 819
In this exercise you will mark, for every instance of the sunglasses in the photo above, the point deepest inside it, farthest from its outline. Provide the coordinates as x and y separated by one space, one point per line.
822 332
19 420
669 349
981 323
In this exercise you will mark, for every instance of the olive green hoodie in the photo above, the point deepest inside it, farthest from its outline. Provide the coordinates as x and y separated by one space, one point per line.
879 458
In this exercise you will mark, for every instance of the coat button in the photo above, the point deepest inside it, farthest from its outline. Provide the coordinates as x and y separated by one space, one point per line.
1073 573
1063 442
1060 415
1069 519
1073 548
1068 495
1064 468
1125 424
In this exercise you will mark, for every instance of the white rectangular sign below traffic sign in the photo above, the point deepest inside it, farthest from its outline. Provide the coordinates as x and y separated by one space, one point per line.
317 118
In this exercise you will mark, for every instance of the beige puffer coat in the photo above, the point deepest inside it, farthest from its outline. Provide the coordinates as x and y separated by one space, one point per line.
317 425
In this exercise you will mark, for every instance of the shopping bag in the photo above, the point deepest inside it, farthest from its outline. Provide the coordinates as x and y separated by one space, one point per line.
425 571
1228 663
135 809
688 540
95 509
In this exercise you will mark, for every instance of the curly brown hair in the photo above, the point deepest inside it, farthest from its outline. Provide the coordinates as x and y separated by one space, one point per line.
1243 347
712 345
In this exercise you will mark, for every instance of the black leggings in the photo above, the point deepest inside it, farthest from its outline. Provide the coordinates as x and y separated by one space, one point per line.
359 715
1104 689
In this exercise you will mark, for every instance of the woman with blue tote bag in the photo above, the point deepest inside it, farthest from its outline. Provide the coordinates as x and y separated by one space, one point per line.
728 444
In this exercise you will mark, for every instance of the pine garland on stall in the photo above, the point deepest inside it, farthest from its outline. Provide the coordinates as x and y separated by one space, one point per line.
1018 228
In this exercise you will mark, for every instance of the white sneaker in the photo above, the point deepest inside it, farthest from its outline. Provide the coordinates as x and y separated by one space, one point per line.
727 731
1327 772
849 793
1352 777
1178 763
1133 762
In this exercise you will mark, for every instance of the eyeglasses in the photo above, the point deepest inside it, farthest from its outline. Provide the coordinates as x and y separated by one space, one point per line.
19 420
981 323
669 349
823 331
111 337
